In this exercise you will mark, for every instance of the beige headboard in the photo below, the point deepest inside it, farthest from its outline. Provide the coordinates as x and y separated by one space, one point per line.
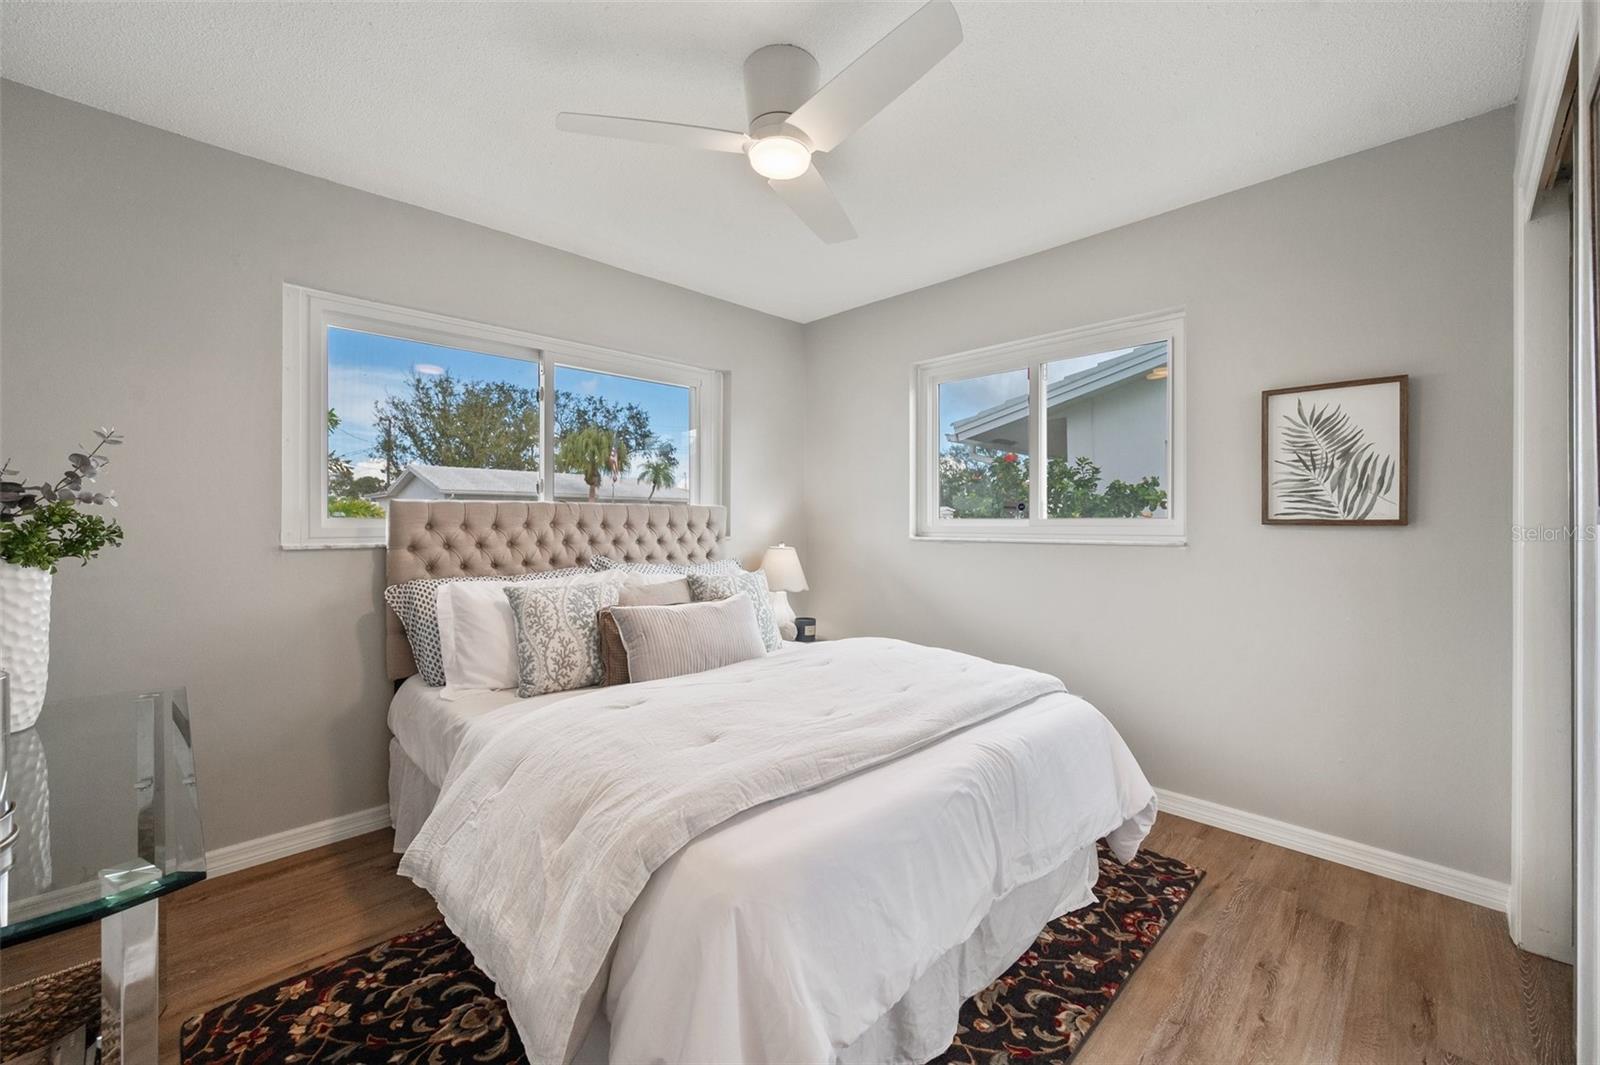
439 538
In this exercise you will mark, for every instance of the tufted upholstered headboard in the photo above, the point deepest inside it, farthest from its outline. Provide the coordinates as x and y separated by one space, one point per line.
446 538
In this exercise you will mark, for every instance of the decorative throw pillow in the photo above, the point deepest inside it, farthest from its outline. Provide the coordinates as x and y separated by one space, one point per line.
558 633
676 569
670 592
674 641
417 604
710 586
613 655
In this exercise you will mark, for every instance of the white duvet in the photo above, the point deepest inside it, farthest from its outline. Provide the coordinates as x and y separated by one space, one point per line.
803 934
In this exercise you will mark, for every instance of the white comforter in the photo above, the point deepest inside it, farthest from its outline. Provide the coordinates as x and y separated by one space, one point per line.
545 836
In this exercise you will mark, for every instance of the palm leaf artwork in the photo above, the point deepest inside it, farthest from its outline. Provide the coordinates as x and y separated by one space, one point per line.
1332 473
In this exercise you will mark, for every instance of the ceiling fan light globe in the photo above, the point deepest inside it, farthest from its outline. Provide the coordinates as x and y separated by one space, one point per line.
779 158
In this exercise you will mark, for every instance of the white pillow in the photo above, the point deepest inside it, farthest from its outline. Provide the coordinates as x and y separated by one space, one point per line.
477 642
478 636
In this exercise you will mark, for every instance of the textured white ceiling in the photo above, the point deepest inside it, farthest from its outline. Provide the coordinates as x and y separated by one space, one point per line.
1050 122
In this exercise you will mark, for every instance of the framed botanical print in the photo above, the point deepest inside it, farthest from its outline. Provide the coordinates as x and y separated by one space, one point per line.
1335 454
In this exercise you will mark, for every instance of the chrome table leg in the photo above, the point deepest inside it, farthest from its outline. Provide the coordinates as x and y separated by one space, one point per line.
129 1003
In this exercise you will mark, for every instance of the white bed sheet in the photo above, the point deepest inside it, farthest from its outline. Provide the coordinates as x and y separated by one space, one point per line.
878 852
430 727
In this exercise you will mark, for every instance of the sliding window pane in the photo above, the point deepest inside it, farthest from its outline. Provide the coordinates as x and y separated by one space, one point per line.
1106 429
984 440
622 439
408 420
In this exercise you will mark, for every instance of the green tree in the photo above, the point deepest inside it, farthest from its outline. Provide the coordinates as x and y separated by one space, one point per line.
588 451
628 421
975 482
442 421
345 489
353 508
340 475
1072 490
660 470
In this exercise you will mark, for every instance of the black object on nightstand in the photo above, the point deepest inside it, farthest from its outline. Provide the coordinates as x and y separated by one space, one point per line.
805 630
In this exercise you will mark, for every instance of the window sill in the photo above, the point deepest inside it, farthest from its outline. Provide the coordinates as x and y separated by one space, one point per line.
1099 539
334 545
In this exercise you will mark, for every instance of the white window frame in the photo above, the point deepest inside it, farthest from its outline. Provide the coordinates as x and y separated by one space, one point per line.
1034 353
308 314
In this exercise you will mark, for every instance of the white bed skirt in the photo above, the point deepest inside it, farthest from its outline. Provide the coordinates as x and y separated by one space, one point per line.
923 1022
411 796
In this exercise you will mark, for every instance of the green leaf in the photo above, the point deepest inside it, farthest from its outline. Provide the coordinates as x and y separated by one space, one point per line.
1332 472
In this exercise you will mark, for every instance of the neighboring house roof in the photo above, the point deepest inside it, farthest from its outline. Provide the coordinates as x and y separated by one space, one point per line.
1134 362
472 482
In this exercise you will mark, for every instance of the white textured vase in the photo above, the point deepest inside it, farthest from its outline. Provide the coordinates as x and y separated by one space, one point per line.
25 639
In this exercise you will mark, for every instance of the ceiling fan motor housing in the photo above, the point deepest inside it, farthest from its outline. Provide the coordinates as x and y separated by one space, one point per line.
777 80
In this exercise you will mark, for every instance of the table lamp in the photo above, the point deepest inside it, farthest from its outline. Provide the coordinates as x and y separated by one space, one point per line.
781 564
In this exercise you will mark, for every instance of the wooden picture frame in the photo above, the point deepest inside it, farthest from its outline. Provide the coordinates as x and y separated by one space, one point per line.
1364 478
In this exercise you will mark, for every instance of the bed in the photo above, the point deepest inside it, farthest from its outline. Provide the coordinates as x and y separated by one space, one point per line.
798 890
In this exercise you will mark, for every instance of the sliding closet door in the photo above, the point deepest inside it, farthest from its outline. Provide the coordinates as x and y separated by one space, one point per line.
1586 579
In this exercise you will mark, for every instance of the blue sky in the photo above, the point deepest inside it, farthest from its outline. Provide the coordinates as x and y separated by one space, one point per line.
364 367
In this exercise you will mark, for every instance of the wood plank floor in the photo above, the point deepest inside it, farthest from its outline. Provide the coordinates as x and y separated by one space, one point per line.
1277 958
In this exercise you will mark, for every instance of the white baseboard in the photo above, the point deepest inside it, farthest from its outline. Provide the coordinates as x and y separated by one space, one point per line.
237 856
1468 887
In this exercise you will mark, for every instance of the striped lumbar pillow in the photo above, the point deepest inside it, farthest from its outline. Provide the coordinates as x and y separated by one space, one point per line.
753 586
673 641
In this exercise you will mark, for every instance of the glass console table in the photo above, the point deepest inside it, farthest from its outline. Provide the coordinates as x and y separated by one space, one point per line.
106 820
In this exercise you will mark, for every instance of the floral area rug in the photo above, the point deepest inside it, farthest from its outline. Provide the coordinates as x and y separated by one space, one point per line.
418 999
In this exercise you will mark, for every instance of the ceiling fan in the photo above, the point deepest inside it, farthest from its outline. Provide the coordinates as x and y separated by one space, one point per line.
790 118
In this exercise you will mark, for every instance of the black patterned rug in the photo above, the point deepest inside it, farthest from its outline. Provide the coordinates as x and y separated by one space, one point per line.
418 999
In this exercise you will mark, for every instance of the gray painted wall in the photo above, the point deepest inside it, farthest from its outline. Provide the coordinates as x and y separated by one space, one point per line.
1355 681
142 278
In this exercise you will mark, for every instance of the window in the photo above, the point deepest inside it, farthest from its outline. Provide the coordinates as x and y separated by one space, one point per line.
622 439
413 420
1071 437
382 403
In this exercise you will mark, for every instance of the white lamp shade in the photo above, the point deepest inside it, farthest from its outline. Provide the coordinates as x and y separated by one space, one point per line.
781 564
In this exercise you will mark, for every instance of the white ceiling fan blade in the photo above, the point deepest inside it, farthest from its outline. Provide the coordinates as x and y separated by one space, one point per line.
809 197
879 75
644 129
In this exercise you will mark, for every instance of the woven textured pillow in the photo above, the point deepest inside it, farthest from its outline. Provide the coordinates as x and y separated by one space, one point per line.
709 586
558 632
417 605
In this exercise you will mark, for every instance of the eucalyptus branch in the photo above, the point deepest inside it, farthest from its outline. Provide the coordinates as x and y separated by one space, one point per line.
41 524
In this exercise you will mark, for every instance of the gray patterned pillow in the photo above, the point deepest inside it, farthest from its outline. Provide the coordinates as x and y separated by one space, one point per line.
709 586
417 604
674 569
558 633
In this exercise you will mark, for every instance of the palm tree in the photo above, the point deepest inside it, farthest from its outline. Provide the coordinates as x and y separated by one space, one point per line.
588 451
661 471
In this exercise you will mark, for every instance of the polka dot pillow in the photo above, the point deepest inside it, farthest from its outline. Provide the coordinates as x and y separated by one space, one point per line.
668 569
